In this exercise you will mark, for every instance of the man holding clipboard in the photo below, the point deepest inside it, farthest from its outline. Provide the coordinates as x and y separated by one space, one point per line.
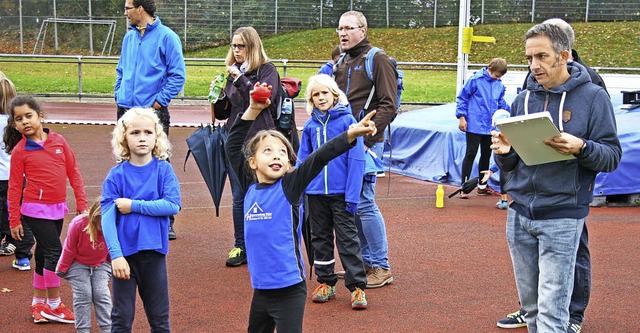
551 200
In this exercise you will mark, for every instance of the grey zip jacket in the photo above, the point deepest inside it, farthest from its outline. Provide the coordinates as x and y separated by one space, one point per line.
564 189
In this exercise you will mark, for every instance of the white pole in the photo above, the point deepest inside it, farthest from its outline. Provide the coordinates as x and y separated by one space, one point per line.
185 23
276 27
21 37
463 59
90 29
55 27
435 13
230 21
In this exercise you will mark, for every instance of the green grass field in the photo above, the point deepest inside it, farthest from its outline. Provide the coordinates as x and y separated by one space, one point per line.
610 44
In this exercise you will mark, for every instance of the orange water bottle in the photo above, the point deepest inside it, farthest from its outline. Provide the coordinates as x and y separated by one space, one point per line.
440 197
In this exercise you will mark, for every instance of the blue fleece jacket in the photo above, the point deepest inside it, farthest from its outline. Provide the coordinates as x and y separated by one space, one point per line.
155 192
151 67
343 175
478 100
564 189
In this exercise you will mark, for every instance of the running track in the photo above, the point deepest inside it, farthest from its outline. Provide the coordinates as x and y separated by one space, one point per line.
452 266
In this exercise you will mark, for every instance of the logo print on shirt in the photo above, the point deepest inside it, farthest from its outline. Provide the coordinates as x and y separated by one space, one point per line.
358 68
256 213
58 151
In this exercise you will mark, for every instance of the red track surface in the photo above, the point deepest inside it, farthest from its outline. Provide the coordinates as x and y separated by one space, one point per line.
451 266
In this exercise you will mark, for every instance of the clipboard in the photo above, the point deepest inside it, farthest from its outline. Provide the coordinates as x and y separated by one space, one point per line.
527 133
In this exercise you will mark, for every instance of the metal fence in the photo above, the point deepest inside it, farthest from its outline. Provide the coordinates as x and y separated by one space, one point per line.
202 23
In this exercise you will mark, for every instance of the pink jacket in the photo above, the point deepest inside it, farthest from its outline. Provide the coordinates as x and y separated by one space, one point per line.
79 248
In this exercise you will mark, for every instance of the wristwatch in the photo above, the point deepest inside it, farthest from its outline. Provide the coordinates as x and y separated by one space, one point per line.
584 145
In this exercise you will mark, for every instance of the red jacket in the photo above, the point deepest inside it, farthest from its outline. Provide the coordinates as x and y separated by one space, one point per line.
46 169
79 248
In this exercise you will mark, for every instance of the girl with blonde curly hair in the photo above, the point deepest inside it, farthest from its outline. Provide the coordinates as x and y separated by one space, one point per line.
138 197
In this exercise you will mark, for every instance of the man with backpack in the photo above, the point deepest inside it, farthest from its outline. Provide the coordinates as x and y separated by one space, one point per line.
365 95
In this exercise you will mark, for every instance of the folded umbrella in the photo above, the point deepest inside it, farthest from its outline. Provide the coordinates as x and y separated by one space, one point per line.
206 145
466 187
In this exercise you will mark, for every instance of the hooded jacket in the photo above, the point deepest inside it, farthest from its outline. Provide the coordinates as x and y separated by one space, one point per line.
479 99
351 77
564 189
151 67
343 174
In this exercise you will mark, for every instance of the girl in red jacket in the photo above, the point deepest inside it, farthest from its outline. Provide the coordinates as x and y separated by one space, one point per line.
41 160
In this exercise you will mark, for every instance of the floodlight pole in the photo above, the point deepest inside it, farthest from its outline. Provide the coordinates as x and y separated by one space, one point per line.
463 58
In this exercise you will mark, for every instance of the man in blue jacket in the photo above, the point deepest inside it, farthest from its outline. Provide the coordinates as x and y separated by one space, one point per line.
551 201
151 69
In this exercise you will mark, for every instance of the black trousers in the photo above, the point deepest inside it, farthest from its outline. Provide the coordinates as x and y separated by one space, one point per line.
327 214
149 276
473 141
281 309
23 247
48 245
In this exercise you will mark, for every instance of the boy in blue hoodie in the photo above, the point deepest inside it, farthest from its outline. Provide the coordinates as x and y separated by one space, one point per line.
334 194
478 100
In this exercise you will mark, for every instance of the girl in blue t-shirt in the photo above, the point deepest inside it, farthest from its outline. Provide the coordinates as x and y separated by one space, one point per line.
271 220
138 197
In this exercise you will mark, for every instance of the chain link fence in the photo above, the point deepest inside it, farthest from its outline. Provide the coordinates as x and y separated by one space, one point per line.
60 26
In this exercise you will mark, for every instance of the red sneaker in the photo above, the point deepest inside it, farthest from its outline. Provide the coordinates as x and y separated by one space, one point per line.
60 314
36 310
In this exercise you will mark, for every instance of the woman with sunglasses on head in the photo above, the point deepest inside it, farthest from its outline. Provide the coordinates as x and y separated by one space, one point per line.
247 63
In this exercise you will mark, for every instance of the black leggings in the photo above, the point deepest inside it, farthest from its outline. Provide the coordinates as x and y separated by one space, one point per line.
48 245
473 141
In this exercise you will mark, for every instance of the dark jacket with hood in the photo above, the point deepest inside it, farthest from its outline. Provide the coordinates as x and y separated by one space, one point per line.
564 189
237 98
351 77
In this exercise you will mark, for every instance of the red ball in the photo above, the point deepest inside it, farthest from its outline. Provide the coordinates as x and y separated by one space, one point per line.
261 93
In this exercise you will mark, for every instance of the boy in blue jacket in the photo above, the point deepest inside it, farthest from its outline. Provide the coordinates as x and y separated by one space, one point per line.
478 100
334 194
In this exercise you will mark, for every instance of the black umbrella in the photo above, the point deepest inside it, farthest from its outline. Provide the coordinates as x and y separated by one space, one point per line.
306 232
466 187
207 146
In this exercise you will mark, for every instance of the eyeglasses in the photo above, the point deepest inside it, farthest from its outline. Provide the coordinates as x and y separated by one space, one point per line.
128 8
238 46
346 29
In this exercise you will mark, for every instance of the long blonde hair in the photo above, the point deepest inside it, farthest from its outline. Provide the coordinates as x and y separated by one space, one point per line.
161 151
256 55
7 93
95 221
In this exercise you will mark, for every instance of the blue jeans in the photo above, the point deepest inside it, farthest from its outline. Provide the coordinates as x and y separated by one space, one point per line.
371 229
238 208
543 253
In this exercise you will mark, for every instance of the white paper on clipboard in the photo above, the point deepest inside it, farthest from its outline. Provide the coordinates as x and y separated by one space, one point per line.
527 133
